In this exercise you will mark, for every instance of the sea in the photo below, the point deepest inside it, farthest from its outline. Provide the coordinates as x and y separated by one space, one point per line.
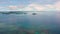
33 22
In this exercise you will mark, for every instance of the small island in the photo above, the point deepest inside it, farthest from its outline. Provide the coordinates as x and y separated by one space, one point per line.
33 13
13 12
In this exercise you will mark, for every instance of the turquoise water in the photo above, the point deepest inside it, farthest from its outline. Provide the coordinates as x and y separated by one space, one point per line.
20 23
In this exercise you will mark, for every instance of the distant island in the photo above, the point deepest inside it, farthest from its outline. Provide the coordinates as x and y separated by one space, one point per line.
13 12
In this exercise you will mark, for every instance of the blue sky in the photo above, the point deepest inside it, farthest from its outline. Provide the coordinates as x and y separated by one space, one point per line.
6 3
24 2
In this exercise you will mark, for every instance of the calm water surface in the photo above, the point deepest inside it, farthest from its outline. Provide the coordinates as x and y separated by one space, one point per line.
41 21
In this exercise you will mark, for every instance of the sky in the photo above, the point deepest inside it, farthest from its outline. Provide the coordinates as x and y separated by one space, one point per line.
29 5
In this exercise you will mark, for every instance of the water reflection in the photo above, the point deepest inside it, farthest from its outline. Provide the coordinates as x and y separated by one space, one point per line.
42 23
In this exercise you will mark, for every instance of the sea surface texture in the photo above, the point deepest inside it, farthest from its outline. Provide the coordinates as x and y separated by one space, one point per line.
44 22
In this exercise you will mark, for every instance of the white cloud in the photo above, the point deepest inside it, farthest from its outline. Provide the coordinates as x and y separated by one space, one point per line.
37 7
34 7
47 7
57 5
1 7
12 7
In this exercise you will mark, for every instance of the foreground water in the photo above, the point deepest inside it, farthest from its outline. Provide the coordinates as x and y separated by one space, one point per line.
38 23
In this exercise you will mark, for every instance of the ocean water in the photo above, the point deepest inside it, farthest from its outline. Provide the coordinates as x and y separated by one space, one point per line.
46 22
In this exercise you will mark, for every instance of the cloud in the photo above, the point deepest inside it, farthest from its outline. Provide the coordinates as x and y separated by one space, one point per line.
1 7
34 7
57 5
37 7
46 7
12 7
49 6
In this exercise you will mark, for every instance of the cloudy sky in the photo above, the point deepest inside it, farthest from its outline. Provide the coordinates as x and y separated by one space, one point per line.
30 5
